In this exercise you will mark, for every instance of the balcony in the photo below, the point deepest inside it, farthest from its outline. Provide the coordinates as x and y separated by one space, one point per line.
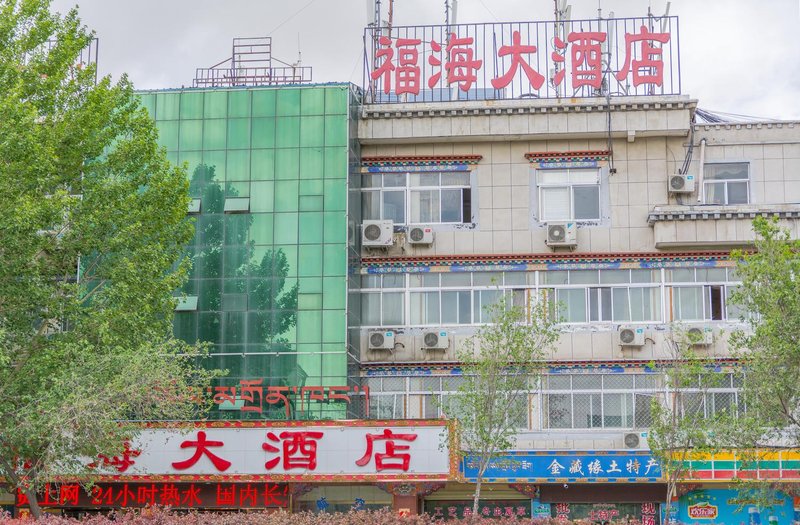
715 226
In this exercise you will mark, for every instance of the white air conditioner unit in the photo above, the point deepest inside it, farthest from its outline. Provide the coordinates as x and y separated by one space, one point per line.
438 340
681 183
631 335
377 233
635 440
420 235
700 336
381 340
562 234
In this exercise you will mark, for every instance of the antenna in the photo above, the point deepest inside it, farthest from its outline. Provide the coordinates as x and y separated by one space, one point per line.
665 18
455 12
370 5
563 11
391 13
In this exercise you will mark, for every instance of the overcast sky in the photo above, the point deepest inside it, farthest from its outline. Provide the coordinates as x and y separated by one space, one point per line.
737 56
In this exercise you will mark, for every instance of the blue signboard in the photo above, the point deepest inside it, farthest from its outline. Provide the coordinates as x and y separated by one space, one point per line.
573 467
730 507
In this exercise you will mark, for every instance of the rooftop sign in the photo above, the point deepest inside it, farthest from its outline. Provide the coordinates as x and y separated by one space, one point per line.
576 58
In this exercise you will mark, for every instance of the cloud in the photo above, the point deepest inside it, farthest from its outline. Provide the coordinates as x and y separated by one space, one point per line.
737 56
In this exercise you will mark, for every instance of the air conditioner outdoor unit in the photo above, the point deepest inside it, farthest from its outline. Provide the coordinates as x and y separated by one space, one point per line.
635 440
700 336
438 340
681 183
420 235
377 233
562 234
381 340
631 335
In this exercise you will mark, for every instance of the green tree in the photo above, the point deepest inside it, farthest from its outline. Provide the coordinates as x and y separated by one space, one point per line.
684 424
500 364
769 350
93 224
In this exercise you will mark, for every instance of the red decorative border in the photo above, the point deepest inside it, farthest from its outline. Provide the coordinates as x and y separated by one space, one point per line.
251 478
543 257
546 156
416 160
306 423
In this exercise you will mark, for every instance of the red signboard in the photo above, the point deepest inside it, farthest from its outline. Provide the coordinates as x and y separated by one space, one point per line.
574 58
176 495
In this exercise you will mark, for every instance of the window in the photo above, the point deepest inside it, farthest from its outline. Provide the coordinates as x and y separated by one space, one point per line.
566 195
727 183
572 296
595 401
417 198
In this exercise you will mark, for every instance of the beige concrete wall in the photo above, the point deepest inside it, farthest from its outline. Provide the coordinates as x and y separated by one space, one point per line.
649 144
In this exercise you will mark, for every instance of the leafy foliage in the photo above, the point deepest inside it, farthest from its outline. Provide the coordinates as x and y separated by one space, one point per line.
93 222
498 366
382 517
770 349
681 427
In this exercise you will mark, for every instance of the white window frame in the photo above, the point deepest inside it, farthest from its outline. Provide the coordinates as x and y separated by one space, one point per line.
540 186
408 189
661 291
724 182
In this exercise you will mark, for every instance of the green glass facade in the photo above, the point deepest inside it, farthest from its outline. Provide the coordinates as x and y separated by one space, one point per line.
270 169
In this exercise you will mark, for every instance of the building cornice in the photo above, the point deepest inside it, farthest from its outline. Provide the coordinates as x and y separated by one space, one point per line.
714 212
527 106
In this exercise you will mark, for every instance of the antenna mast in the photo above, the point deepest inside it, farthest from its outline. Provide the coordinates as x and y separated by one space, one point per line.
562 12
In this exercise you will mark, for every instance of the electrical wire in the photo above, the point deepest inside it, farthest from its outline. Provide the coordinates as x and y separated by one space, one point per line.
291 16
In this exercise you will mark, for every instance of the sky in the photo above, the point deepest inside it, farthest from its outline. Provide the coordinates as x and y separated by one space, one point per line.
737 56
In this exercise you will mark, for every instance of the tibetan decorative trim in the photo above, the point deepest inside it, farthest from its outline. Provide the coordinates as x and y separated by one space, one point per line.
296 423
567 156
526 489
483 262
410 489
441 369
702 213
420 160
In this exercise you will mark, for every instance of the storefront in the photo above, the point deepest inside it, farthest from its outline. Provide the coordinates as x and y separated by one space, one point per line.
726 506
315 465
598 486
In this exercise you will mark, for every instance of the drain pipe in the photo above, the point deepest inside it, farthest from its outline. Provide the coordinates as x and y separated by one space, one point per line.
701 189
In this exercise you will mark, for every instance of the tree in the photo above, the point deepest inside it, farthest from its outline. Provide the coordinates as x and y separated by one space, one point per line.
684 424
93 224
498 365
770 350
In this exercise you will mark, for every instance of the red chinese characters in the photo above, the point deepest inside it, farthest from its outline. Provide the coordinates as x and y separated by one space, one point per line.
407 74
461 66
650 68
298 449
384 54
393 457
587 58
578 59
517 50
202 446
177 495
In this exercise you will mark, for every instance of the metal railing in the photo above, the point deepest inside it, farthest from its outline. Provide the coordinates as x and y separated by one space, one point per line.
519 60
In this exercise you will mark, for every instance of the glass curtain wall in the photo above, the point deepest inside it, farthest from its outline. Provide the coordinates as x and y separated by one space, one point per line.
268 170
